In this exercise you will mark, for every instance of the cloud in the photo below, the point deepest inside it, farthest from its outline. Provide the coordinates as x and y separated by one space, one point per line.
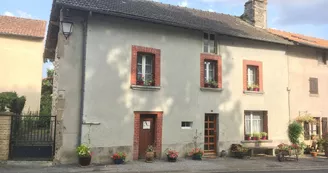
7 13
303 12
210 10
18 13
183 3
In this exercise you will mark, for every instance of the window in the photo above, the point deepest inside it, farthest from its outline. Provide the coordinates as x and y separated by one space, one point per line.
312 129
211 71
145 65
252 76
322 57
209 43
314 85
255 122
186 125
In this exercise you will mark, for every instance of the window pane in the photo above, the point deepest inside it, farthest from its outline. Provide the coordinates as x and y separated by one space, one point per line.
139 69
205 46
149 69
205 36
248 124
148 77
139 77
139 59
212 47
205 70
211 71
212 37
149 60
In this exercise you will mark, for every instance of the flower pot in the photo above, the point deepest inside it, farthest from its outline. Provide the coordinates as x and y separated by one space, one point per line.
140 82
118 161
255 138
197 157
213 86
256 89
249 89
170 159
206 85
264 138
248 138
314 154
150 157
84 161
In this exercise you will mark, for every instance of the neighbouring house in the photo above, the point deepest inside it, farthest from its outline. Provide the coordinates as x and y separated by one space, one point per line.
21 48
134 73
308 78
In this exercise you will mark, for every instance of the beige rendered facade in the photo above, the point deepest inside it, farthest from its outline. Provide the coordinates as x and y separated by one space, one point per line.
21 68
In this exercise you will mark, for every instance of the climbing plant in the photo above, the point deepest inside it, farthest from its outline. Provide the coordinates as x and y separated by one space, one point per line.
295 130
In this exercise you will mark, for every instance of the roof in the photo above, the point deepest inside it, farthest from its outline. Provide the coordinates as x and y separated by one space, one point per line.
22 27
156 12
302 39
175 15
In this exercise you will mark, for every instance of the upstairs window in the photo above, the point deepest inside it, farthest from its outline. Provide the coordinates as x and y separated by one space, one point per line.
210 73
145 65
252 76
209 43
313 85
322 57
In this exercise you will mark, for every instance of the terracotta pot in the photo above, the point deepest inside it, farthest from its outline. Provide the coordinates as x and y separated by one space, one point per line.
206 85
255 138
256 89
248 138
264 138
314 154
150 156
84 161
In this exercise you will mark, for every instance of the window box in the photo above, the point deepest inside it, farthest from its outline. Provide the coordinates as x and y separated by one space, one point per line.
145 67
252 76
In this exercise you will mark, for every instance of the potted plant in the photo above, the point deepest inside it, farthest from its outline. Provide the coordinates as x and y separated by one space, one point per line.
248 137
119 158
207 84
214 84
239 151
256 87
172 155
84 155
196 154
264 135
256 136
249 88
325 143
314 153
150 154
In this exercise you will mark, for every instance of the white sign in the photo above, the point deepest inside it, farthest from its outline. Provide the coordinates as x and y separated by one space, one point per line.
146 125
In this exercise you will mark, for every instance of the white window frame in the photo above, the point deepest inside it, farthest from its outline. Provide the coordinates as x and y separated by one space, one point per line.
251 119
208 41
143 66
207 70
184 127
251 75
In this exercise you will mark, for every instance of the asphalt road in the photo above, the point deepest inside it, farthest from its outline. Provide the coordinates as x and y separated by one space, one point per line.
305 171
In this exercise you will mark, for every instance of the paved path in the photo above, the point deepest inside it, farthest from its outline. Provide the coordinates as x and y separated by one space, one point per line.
183 165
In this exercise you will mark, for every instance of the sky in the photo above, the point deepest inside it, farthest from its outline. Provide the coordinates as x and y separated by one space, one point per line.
307 17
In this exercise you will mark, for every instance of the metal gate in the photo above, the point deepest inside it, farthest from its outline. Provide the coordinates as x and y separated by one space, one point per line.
32 137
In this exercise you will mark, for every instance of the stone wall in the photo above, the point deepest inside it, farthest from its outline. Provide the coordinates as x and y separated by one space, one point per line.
5 124
256 13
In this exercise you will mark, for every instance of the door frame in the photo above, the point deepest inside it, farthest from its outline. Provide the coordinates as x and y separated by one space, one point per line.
158 121
216 137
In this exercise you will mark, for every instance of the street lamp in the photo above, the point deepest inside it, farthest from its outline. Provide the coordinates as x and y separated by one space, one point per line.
67 28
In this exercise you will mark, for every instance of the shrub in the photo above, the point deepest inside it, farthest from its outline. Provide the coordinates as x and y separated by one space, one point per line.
11 101
294 132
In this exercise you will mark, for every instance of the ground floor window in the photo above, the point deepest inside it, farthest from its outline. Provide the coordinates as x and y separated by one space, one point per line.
255 122
314 128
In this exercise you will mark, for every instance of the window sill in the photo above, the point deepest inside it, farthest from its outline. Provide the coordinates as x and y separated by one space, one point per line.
314 95
145 88
211 89
256 141
254 92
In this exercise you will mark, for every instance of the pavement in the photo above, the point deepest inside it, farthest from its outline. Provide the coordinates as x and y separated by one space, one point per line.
258 164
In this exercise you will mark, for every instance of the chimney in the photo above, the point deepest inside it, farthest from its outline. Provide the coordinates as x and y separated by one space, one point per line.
256 13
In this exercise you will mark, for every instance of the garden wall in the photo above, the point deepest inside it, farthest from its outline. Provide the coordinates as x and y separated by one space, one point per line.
5 124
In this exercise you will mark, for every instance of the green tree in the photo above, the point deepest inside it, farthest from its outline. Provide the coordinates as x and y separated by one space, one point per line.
11 101
46 94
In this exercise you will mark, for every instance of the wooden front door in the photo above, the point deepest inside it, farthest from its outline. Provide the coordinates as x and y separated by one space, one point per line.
210 134
147 134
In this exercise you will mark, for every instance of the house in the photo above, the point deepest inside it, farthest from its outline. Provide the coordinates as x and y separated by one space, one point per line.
134 73
21 48
308 82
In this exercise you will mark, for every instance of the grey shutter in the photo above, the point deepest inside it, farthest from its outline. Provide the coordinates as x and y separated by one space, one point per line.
313 85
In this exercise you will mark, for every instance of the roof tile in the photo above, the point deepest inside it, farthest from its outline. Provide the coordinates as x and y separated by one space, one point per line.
22 27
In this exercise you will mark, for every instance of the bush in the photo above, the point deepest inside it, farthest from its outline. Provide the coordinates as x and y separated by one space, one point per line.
11 101
294 132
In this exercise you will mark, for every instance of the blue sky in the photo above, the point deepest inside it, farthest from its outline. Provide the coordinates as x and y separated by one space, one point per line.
308 17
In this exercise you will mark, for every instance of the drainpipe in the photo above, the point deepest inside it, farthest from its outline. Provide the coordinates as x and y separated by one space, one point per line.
84 46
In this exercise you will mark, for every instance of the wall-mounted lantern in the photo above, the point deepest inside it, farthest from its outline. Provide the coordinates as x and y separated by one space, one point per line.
67 28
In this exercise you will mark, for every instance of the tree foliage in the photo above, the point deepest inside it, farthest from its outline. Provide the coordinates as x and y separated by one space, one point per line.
11 101
46 94
294 132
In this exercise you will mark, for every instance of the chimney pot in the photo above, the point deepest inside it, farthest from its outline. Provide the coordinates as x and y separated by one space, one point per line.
256 13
